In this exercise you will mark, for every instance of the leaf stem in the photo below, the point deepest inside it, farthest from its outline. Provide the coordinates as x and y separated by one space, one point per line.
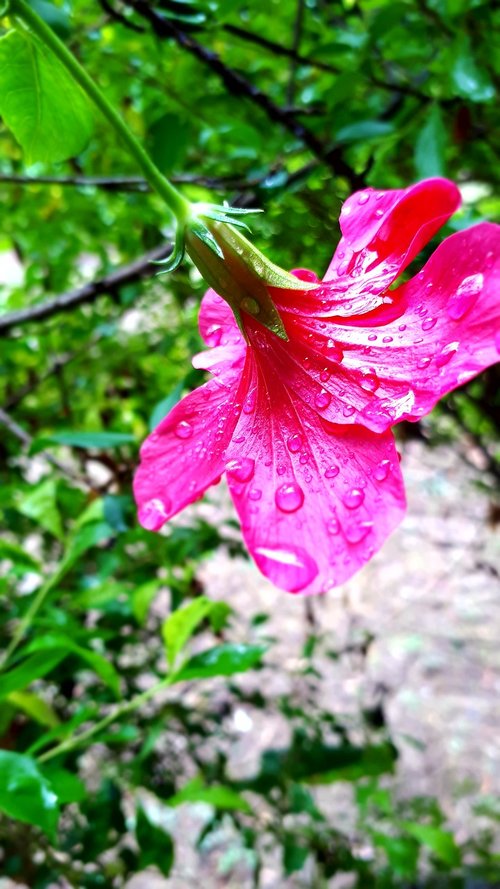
180 207
118 711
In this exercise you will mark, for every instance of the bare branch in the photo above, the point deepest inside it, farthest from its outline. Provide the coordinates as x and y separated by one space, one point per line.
109 284
26 440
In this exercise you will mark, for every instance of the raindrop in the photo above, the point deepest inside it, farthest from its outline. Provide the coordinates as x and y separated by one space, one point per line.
446 353
214 334
249 404
466 297
325 375
183 429
294 443
429 323
422 363
382 470
387 339
304 458
372 337
153 514
353 498
240 469
348 410
289 497
369 381
290 567
255 494
402 327
332 471
322 400
357 532
363 198
333 526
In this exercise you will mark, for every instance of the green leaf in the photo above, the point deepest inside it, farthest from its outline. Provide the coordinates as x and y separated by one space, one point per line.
96 662
430 147
294 856
469 80
34 706
222 660
155 844
169 140
181 624
43 106
67 787
40 505
216 795
142 598
18 555
402 853
26 794
363 130
440 842
163 407
103 440
32 668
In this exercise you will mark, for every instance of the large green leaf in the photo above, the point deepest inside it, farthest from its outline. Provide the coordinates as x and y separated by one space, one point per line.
430 147
221 660
181 624
25 793
155 844
46 110
32 668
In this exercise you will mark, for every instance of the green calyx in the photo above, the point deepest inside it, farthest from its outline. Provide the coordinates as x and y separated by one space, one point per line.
230 264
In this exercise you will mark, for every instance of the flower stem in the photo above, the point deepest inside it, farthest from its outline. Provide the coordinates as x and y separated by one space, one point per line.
180 207
118 711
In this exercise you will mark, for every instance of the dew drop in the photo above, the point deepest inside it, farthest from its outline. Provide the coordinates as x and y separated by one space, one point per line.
325 375
356 532
372 337
387 339
255 494
446 353
369 381
353 498
294 443
250 305
290 567
213 334
422 363
382 470
402 327
466 297
332 472
363 198
333 526
304 458
183 429
348 410
429 323
289 497
240 469
154 513
322 400
249 404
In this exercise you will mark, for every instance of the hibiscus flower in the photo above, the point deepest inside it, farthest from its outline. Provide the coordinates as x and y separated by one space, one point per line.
300 421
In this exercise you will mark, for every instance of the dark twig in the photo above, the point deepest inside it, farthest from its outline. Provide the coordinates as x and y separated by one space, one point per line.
278 49
129 183
119 17
297 36
239 86
26 440
109 284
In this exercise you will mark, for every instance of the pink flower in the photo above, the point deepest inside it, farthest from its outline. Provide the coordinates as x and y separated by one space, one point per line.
302 428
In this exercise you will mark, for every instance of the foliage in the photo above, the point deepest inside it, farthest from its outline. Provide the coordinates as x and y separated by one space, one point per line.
113 637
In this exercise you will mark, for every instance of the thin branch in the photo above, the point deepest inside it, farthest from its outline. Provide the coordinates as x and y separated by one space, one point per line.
239 86
297 36
129 183
278 49
27 440
119 17
109 284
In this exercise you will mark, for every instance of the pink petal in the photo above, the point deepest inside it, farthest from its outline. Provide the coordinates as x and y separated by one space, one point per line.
384 230
216 319
219 330
315 500
186 452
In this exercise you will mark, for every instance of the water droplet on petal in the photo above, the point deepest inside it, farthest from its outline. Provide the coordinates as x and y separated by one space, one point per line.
325 375
387 339
372 337
369 381
255 494
240 469
332 472
446 353
290 567
322 400
250 305
422 363
213 334
353 498
429 323
249 404
333 526
363 198
289 497
183 429
348 410
153 514
382 470
294 443
357 531
466 297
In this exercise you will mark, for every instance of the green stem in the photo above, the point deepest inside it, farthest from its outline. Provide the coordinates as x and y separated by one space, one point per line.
26 621
118 711
180 207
